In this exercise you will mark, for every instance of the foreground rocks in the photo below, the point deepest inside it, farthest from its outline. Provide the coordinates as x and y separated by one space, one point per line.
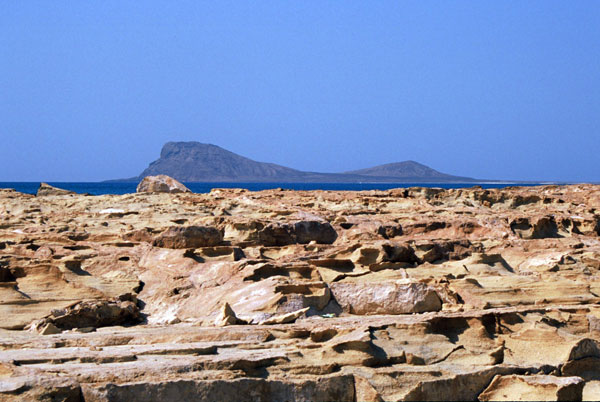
400 295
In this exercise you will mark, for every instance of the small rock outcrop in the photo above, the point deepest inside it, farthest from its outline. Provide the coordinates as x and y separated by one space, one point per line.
161 184
46 189
227 317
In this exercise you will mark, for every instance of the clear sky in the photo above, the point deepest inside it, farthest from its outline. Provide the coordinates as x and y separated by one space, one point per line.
90 90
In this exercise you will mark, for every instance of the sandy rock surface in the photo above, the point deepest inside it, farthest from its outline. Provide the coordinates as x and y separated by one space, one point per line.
400 295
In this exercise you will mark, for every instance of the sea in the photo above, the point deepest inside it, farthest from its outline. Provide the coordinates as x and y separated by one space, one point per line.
101 188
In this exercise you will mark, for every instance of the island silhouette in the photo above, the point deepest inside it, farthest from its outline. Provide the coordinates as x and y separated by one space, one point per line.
197 162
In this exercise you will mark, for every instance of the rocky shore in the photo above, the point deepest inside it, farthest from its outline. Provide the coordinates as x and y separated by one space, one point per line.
400 295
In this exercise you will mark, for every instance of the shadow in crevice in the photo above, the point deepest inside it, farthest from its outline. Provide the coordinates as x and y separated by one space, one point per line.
75 267
450 327
191 254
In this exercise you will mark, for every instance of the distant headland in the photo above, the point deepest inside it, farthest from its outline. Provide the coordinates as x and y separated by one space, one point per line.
198 162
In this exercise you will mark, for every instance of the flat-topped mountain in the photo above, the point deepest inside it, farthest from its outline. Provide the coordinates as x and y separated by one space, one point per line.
197 162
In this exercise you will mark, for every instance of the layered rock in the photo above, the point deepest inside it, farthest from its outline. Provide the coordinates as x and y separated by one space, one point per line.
364 298
188 237
46 189
407 294
533 387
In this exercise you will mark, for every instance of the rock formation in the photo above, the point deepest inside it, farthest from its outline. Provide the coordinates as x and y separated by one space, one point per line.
161 184
46 189
401 295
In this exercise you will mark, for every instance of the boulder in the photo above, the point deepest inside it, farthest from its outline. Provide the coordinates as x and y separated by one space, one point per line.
365 298
188 237
46 189
161 184
277 234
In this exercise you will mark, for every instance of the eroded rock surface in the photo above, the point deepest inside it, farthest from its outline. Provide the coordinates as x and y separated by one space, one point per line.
400 295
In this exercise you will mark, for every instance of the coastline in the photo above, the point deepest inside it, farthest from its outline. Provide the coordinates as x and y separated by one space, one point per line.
100 188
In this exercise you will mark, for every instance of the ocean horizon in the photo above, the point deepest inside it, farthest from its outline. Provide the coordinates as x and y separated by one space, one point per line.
120 188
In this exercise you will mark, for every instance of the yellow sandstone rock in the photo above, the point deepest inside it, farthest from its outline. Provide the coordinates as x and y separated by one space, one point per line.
403 295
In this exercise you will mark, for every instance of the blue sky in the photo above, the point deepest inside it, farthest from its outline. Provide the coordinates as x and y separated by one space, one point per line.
489 89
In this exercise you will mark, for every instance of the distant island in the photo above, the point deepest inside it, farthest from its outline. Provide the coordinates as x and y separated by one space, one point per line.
198 162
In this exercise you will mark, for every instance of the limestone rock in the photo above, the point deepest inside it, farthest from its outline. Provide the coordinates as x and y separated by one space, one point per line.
303 232
97 313
533 388
389 231
327 388
285 318
49 329
277 234
40 388
46 189
320 232
188 237
227 317
385 298
540 228
400 295
161 184
6 370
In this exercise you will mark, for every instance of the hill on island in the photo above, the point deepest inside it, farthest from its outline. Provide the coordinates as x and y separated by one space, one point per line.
197 162
404 169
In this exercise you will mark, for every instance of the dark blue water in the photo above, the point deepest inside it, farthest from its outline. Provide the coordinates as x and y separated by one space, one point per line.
124 188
